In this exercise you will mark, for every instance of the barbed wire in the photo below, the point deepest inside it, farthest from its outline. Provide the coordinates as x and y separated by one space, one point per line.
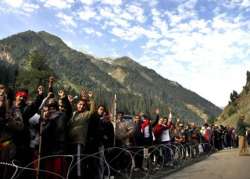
155 157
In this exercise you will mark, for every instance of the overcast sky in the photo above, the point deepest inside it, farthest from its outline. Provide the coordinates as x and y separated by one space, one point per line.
201 44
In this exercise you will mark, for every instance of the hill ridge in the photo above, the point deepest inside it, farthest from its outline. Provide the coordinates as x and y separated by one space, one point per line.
141 87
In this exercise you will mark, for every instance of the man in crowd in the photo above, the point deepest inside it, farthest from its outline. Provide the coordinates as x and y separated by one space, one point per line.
241 132
53 139
23 111
7 128
88 132
95 145
123 131
137 142
78 129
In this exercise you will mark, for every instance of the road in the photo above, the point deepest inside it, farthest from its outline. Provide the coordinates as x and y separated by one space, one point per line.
225 164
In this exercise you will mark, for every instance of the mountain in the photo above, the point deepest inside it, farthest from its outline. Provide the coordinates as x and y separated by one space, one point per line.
238 104
138 88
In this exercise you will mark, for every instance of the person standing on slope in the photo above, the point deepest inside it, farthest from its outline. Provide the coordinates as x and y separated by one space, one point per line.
241 132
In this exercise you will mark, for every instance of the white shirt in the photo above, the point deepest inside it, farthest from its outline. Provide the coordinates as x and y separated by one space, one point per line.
146 132
165 136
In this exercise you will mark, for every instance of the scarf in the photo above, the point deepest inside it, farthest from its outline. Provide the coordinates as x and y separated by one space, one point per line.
146 122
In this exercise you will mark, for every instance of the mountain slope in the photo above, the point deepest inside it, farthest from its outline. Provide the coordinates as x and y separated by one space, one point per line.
138 87
238 105
136 77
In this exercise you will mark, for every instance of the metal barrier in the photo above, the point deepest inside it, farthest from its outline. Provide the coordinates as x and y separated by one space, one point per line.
121 162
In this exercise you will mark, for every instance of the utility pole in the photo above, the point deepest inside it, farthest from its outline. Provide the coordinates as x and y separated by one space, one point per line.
114 114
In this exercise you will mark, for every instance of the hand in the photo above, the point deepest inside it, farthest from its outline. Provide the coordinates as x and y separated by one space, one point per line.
90 94
70 98
84 94
51 79
61 94
2 92
40 90
50 95
157 111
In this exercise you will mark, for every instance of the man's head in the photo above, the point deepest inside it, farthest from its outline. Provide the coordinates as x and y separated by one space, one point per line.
161 120
165 120
52 104
120 116
193 126
40 89
21 97
100 110
81 106
137 118
181 125
2 90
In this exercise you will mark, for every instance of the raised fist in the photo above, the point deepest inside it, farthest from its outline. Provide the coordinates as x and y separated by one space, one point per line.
157 111
51 79
90 94
84 94
61 93
50 95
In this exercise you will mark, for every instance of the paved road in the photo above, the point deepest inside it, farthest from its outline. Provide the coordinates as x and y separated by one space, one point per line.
222 165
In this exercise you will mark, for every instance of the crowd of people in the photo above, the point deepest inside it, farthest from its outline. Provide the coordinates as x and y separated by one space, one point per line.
39 134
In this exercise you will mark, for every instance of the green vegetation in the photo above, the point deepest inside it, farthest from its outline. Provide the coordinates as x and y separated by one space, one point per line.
36 72
233 97
231 110
211 120
238 104
7 72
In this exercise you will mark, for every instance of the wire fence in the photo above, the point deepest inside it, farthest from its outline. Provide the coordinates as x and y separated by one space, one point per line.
117 162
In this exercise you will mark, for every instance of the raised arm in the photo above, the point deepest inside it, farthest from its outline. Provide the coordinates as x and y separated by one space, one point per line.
154 122
92 102
91 111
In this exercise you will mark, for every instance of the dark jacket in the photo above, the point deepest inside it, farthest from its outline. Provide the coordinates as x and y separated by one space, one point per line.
22 137
137 134
95 133
108 134
53 134
7 127
68 107
241 128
